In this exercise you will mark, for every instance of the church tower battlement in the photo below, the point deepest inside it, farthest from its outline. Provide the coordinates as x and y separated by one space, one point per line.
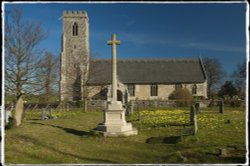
74 55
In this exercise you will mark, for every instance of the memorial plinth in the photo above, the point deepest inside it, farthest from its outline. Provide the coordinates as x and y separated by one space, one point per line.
114 116
114 122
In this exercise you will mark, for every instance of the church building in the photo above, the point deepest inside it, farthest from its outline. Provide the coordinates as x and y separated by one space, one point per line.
138 79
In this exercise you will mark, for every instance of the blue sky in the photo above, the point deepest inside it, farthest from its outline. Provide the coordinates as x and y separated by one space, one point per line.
152 30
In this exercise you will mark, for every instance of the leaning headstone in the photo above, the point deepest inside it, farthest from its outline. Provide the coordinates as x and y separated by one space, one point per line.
222 152
43 114
197 107
221 107
192 114
193 120
18 111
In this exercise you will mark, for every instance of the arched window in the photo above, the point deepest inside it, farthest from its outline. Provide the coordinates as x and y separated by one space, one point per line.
75 29
131 89
154 90
194 89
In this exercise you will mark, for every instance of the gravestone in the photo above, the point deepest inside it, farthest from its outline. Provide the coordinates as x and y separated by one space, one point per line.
221 107
18 111
51 114
132 107
8 114
222 152
197 107
43 114
193 120
85 105
192 114
114 115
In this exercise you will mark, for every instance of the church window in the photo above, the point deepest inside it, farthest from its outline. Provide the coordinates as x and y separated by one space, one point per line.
154 90
194 89
75 29
131 89
178 86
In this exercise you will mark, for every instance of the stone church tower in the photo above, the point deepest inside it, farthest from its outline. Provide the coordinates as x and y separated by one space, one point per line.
74 55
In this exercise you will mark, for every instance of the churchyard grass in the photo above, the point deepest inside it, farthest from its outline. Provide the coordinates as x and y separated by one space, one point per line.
68 139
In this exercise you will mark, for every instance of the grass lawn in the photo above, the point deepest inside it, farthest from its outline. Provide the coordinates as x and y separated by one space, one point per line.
68 139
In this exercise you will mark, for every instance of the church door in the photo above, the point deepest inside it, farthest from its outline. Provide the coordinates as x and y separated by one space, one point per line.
119 96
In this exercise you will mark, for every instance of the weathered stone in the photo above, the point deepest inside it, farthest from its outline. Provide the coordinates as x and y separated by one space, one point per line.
142 91
180 156
114 116
193 120
197 107
221 107
18 111
222 152
43 114
192 114
8 114
74 55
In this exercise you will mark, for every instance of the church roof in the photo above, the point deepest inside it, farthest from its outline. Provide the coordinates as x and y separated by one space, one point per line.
148 71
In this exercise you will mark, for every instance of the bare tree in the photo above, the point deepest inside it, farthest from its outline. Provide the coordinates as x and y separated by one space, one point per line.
22 55
214 73
239 76
49 75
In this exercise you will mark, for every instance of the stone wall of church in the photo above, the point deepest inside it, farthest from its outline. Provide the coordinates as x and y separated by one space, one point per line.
94 90
142 92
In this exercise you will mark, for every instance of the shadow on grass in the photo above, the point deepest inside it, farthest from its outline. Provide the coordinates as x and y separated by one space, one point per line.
53 149
68 130
34 119
234 159
164 140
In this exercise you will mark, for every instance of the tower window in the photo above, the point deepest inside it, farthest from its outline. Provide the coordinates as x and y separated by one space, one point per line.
154 90
75 29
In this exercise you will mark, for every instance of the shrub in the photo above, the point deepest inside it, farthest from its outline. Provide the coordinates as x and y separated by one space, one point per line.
233 103
182 96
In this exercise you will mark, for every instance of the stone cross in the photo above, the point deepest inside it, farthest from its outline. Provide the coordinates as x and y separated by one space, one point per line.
114 42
